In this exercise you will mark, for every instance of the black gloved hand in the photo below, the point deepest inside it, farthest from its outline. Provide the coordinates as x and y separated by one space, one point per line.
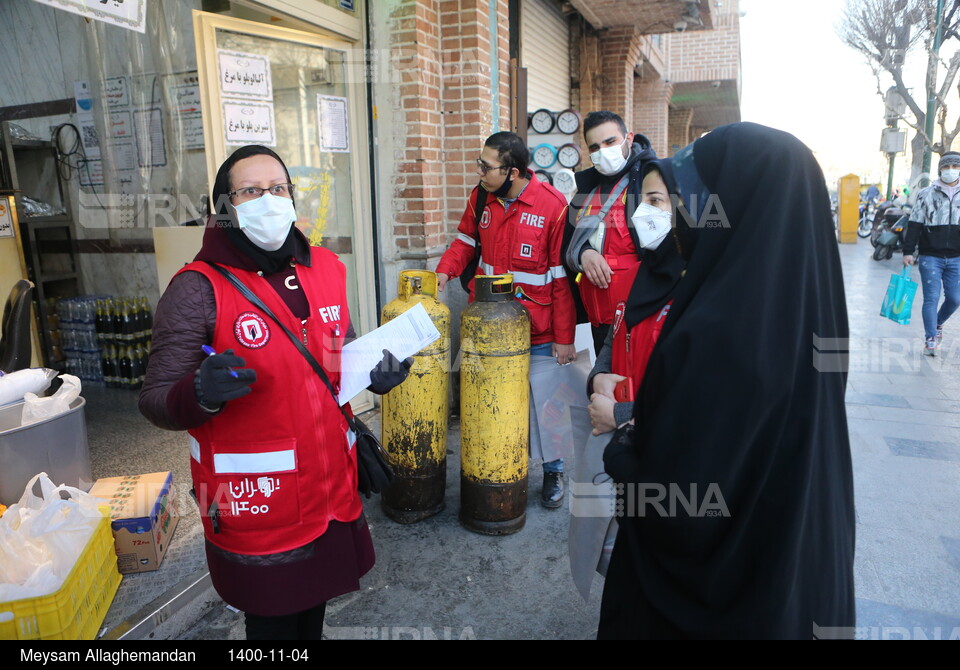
216 385
389 373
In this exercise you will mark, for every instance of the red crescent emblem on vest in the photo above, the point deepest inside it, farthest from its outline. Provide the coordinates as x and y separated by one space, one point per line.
251 330
618 316
485 219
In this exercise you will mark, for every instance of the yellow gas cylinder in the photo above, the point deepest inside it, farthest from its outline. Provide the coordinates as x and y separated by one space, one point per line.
494 408
414 414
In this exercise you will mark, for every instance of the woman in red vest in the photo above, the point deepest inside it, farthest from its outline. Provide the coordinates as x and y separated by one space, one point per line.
273 462
638 320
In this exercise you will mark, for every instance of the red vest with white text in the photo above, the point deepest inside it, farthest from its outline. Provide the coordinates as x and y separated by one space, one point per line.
277 465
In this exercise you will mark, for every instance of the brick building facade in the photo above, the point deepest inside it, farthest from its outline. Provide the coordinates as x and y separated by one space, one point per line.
454 91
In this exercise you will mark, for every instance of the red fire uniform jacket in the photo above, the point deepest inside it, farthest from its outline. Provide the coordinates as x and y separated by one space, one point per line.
278 464
523 239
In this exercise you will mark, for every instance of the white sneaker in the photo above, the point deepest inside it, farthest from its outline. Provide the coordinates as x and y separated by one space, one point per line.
931 347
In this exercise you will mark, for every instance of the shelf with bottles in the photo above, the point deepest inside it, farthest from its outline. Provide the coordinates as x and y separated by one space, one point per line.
106 339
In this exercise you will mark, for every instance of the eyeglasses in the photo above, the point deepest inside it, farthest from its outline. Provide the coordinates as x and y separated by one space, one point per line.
484 168
254 192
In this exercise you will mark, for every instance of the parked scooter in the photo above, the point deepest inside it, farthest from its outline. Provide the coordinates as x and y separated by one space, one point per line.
868 210
887 237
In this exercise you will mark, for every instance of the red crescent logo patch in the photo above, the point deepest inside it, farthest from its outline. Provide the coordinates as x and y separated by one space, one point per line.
485 219
251 330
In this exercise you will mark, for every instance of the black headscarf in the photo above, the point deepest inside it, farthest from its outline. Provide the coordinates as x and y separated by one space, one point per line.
743 397
223 215
660 268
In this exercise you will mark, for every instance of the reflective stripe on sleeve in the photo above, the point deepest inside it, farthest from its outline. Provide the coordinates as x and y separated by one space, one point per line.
466 239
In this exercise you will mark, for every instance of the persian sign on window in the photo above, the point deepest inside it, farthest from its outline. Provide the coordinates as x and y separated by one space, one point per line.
244 75
249 122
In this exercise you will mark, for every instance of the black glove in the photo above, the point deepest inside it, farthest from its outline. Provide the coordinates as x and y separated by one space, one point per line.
215 383
389 373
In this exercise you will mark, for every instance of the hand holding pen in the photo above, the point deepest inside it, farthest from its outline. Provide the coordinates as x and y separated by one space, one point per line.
218 382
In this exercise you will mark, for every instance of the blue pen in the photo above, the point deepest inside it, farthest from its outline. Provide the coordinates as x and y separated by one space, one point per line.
210 351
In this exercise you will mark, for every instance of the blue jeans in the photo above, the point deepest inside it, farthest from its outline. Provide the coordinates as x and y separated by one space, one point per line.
546 349
938 274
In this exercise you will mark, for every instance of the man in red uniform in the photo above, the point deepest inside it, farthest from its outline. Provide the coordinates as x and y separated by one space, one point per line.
520 231
603 246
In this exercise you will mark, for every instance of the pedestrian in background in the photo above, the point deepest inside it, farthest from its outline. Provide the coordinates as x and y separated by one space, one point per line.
935 226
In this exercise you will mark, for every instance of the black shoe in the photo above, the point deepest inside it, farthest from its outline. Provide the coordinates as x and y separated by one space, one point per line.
552 495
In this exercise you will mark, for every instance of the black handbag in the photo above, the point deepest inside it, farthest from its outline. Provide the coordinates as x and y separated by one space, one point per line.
471 269
374 473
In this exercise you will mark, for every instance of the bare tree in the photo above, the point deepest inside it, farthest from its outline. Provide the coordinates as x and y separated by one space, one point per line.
885 32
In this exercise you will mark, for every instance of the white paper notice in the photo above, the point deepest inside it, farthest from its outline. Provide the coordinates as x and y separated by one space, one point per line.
191 131
151 148
91 172
130 14
124 156
244 75
248 122
121 124
6 221
332 123
404 336
116 91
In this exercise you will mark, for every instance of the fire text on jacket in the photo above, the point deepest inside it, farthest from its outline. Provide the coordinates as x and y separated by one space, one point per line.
330 313
532 220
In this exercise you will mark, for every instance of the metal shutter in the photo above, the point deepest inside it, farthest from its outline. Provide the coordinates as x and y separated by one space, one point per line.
544 52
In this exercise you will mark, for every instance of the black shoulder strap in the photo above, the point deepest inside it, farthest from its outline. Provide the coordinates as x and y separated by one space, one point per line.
479 206
258 303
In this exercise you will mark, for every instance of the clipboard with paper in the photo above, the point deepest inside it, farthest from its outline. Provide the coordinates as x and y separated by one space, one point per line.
405 335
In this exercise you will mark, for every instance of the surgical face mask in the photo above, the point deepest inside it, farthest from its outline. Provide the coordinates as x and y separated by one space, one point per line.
266 221
949 175
609 160
652 225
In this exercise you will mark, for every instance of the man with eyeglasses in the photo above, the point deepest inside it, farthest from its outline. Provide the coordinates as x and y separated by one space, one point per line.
520 231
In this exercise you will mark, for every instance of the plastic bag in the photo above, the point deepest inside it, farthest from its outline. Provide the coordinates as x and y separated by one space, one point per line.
42 537
554 389
898 303
14 385
38 409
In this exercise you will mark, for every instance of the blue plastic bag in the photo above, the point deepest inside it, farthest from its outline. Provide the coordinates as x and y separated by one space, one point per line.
898 302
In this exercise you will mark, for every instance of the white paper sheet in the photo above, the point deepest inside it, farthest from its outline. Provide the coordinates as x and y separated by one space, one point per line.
404 336
332 126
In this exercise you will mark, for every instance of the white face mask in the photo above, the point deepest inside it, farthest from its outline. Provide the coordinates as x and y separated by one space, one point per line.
266 221
949 176
609 160
652 225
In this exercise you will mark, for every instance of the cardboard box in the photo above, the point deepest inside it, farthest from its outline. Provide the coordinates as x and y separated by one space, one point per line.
143 516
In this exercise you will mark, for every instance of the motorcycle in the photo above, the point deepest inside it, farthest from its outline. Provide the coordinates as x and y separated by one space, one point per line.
867 212
887 236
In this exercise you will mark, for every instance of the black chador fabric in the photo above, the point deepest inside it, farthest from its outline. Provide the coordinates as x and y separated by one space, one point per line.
742 412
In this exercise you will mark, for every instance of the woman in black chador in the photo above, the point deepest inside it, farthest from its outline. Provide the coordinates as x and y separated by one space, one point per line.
738 500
